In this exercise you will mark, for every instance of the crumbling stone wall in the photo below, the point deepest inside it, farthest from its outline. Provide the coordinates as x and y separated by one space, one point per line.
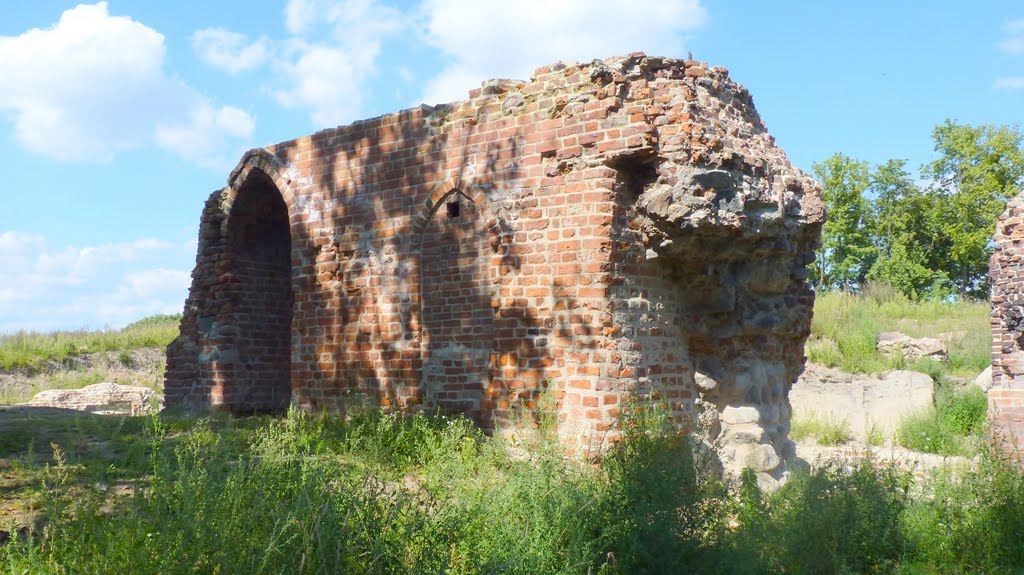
614 232
1006 275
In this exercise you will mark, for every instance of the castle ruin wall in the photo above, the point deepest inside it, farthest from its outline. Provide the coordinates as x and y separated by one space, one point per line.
609 234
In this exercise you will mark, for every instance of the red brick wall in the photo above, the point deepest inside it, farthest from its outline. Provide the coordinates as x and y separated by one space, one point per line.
1006 274
458 320
627 231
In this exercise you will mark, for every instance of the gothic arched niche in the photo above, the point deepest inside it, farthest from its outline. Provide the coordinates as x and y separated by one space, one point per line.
260 289
457 317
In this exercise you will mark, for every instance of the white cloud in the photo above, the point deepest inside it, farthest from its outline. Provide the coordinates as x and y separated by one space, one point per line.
70 287
92 85
325 80
326 66
229 51
1013 41
152 282
488 39
299 15
325 62
206 138
1016 83
74 265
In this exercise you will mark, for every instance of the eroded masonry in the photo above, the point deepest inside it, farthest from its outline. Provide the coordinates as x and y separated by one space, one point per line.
606 234
1006 275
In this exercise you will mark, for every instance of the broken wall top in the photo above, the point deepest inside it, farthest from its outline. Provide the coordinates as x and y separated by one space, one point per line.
686 136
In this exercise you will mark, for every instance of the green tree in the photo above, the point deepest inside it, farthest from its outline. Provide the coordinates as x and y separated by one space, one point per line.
979 168
847 250
906 231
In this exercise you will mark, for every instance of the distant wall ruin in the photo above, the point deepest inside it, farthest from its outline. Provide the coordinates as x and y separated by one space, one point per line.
619 231
1006 276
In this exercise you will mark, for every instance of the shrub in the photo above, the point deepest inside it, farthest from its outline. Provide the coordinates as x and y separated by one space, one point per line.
964 410
972 522
927 431
951 427
831 520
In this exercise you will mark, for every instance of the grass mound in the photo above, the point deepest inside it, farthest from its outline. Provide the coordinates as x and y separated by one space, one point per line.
31 349
845 329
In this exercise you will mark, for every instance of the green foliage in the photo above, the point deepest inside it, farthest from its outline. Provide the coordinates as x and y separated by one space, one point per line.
826 430
964 410
32 350
832 520
926 242
391 494
947 429
978 169
927 431
157 320
972 521
847 252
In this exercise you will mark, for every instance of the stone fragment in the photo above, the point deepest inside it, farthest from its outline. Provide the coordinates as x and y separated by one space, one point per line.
763 458
984 379
736 415
912 349
100 398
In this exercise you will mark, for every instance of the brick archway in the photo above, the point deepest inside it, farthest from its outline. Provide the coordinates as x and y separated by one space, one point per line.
258 238
457 237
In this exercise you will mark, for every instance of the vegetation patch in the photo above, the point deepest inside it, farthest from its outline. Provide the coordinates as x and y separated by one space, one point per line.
32 350
845 328
827 430
953 427
384 493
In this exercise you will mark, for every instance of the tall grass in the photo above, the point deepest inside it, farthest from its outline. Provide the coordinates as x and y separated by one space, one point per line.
953 426
393 494
377 494
32 349
845 329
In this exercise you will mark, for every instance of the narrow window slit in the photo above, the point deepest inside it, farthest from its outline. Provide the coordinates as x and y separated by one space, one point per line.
453 209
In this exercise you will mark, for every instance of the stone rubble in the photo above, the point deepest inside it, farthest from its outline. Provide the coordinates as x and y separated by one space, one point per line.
912 349
865 401
101 399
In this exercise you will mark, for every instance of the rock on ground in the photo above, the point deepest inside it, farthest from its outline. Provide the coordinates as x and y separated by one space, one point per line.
984 379
894 342
100 398
863 400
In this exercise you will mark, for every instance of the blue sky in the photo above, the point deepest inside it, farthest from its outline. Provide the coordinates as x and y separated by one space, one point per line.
118 119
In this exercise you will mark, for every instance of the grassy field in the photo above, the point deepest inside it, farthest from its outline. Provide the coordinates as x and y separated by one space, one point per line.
31 350
387 494
846 327
390 494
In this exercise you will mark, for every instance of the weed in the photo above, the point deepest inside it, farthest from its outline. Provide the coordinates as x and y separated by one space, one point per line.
875 434
951 427
827 430
972 521
832 520
384 493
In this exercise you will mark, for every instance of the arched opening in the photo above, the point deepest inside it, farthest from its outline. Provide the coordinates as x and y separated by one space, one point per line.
261 306
457 317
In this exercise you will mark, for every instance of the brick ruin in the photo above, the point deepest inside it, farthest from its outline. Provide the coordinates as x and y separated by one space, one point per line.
614 232
1006 276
